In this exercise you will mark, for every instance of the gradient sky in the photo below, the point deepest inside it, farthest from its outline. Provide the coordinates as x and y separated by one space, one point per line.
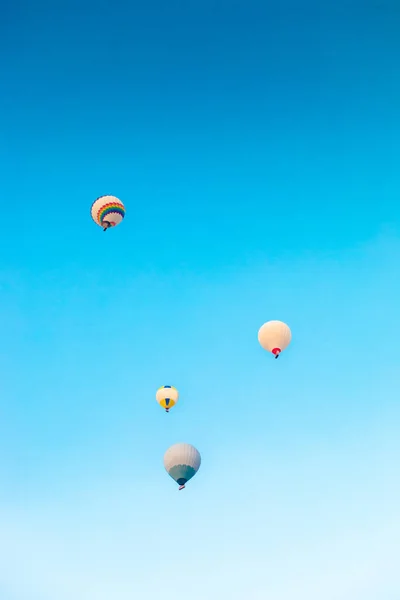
256 147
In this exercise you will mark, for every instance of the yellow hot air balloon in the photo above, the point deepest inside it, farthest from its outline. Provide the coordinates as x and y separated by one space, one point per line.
167 396
274 336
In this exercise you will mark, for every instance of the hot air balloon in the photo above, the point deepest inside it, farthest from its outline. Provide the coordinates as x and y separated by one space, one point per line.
167 396
107 211
274 336
182 461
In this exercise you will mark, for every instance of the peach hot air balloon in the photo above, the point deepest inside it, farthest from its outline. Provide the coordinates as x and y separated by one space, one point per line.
107 211
274 336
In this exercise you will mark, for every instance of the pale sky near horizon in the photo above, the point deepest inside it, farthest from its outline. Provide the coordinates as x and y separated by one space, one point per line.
256 149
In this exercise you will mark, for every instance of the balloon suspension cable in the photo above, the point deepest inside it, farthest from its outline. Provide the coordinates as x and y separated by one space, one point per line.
181 487
167 410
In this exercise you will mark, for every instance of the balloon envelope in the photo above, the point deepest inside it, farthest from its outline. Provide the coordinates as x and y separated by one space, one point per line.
274 336
182 461
107 211
167 396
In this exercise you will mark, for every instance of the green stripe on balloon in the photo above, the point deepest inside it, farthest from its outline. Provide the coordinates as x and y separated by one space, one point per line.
181 473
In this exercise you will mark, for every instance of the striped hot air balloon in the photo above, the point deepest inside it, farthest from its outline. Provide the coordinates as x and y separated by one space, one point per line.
107 211
274 336
182 461
167 396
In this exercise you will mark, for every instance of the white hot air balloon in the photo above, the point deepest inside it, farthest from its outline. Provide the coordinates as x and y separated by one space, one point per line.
167 396
182 461
107 211
274 336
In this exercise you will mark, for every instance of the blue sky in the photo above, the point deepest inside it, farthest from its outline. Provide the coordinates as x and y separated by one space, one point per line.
256 149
